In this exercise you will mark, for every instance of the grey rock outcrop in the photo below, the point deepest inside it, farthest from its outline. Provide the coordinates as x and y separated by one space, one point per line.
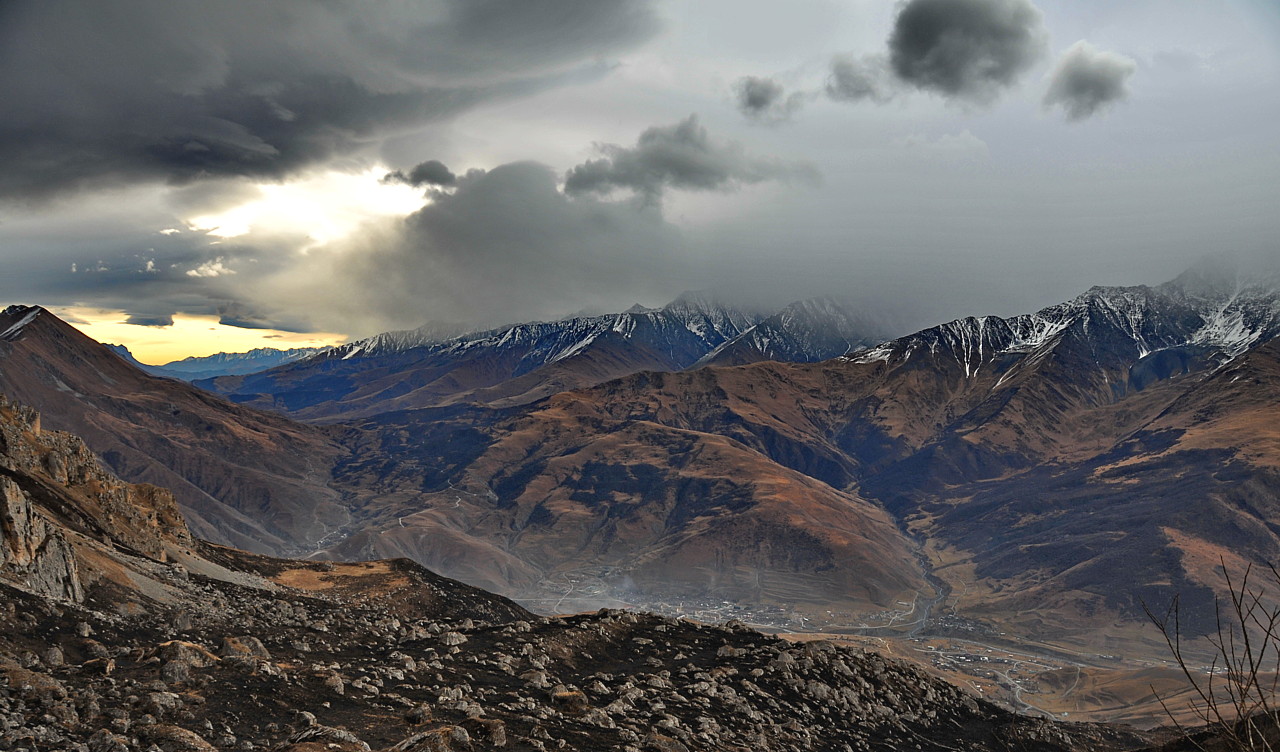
33 553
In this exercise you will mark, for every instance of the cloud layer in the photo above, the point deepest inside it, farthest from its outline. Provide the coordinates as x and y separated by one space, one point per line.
485 247
683 156
505 245
181 90
1088 80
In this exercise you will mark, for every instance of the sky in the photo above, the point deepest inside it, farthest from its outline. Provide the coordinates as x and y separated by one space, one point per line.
187 177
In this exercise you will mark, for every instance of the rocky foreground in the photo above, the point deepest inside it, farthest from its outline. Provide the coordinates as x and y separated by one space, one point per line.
236 668
119 632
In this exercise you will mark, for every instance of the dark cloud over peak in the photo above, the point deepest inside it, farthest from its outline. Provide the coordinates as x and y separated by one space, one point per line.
505 245
970 49
238 314
430 173
765 100
179 90
682 156
1088 80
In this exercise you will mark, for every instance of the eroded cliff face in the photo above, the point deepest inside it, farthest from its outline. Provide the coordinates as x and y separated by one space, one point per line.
54 492
32 551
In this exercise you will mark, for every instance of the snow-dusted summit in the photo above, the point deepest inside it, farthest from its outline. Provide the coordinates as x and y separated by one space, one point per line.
807 331
682 331
27 313
1205 313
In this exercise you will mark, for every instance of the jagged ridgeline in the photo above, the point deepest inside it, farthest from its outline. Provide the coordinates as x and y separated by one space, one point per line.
119 632
515 365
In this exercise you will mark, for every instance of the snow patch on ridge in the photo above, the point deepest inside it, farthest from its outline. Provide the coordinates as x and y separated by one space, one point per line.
1177 314
15 329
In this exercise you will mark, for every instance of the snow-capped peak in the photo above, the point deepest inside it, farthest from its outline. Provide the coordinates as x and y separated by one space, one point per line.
27 314
1217 312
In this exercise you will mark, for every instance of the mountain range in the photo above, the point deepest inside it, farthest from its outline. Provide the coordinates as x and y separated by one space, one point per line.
220 364
520 364
1040 477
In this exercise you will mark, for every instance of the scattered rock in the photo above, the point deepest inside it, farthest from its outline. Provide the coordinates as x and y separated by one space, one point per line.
174 739
244 646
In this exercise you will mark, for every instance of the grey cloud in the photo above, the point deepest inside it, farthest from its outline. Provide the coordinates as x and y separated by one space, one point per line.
865 79
1088 80
677 156
509 36
505 245
965 50
969 49
766 100
429 173
180 90
144 274
143 319
239 314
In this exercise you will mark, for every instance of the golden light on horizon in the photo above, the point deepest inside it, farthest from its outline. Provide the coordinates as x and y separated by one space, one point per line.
188 335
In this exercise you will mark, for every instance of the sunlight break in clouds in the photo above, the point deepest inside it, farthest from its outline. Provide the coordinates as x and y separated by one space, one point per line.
323 207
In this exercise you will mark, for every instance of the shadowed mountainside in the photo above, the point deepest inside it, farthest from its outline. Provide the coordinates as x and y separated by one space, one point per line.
253 479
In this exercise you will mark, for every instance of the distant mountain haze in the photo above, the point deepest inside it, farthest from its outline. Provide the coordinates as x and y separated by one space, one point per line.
221 364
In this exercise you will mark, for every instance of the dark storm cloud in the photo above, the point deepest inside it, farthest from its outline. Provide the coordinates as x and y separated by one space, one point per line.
966 48
179 90
429 173
677 156
1088 80
765 100
505 245
235 313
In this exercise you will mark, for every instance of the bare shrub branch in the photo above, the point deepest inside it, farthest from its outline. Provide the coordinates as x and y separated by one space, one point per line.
1235 700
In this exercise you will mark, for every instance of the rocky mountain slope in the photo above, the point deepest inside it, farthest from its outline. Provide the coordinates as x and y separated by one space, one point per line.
570 500
125 634
1059 468
243 477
